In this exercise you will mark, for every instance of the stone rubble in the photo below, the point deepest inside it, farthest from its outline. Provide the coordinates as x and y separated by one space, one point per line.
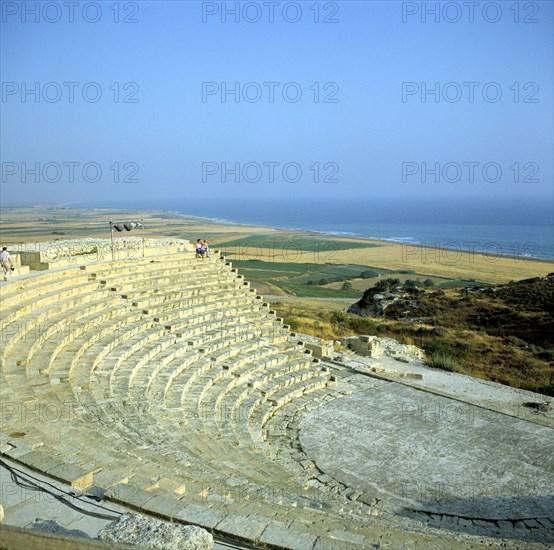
155 534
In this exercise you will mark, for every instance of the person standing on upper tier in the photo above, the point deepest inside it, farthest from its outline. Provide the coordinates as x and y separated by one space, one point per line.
207 249
6 262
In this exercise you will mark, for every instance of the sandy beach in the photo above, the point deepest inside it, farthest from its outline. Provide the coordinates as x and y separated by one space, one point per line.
38 224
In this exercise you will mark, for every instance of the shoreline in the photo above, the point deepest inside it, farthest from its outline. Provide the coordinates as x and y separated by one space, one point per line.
489 248
356 237
33 224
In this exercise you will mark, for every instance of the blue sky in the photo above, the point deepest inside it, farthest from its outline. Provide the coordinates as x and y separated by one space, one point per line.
360 139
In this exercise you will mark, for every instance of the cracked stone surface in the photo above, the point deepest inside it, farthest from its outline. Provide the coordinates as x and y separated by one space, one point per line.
406 447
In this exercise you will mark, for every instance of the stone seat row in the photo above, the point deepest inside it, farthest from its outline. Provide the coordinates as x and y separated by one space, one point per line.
195 326
186 399
72 290
47 289
131 347
60 345
197 295
203 367
186 439
92 326
26 288
53 324
151 280
51 285
26 323
20 291
237 507
199 369
68 320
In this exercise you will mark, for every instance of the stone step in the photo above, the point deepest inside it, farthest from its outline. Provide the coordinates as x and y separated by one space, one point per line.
282 397
91 361
223 328
177 310
82 332
21 291
72 363
276 393
15 292
176 393
134 287
169 403
160 273
241 372
153 265
161 302
199 285
202 328
44 299
44 323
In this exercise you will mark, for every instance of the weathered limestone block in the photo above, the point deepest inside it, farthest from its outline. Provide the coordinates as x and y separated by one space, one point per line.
323 349
372 346
363 345
155 534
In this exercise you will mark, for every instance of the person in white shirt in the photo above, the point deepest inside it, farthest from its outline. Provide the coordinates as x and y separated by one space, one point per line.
207 249
6 262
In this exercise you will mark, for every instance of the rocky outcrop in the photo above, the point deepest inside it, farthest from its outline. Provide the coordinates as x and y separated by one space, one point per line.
374 305
155 534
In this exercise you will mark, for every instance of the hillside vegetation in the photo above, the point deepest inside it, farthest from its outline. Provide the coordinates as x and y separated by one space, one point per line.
501 333
327 280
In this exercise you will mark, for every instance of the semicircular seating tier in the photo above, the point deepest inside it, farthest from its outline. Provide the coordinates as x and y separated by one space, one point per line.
170 385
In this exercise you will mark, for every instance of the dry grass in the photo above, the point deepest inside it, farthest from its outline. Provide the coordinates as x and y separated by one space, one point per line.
457 348
393 256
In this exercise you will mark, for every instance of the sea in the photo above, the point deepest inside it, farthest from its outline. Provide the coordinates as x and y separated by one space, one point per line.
522 228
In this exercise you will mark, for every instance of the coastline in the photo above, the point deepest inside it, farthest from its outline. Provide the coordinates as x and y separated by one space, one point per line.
33 224
344 235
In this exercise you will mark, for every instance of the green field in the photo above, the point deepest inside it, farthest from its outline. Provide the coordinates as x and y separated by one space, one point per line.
460 283
307 291
288 246
316 280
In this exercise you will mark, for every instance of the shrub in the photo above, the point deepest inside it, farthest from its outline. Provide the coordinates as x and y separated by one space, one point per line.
346 285
386 284
546 355
428 283
439 331
442 347
444 361
338 317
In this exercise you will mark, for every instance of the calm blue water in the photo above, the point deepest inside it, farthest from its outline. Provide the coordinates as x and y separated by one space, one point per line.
522 228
